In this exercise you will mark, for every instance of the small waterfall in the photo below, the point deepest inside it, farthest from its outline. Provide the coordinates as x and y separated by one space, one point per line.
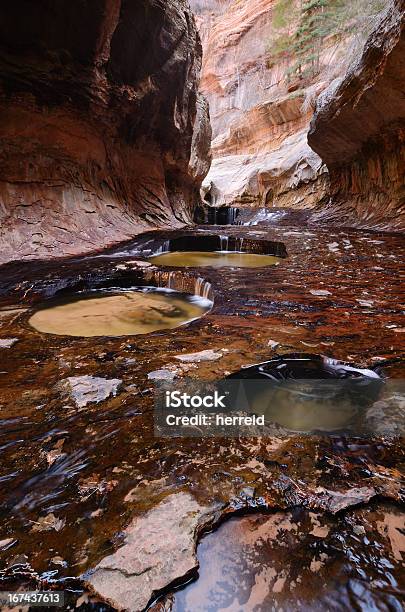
235 245
202 288
170 280
224 243
160 277
225 215
179 282
165 279
232 214
164 247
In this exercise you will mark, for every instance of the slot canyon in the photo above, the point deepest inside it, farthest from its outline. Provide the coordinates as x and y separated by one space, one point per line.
208 197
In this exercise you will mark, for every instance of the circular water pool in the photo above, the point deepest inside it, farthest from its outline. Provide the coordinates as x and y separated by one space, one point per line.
308 393
215 259
114 312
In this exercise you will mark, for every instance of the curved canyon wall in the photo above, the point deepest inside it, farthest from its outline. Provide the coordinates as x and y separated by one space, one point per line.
359 131
260 119
102 132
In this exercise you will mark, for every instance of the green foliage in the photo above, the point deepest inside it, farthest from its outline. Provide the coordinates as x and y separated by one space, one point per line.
281 45
309 22
280 14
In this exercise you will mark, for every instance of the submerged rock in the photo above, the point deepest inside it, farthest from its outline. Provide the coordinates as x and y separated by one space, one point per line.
90 389
387 416
306 393
159 549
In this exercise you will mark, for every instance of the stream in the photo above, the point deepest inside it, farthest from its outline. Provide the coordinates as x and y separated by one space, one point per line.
79 458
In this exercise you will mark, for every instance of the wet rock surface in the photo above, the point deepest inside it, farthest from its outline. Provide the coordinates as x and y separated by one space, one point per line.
159 549
6 343
87 474
102 130
207 355
300 560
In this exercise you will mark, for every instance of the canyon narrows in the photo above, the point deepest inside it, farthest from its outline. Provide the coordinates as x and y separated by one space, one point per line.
132 266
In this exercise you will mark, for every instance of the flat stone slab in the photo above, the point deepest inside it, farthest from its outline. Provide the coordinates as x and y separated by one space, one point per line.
90 389
336 501
207 355
162 375
320 292
159 549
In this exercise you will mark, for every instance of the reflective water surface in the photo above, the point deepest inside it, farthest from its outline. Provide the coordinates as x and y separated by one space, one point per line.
308 393
217 259
118 314
299 560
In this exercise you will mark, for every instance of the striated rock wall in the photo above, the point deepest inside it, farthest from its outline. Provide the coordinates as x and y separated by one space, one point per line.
290 175
359 131
102 134
260 152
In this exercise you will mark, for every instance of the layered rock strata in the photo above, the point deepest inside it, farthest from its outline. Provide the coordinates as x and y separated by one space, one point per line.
101 131
260 118
359 131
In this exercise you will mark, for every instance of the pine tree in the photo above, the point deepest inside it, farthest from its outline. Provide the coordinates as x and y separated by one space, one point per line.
313 27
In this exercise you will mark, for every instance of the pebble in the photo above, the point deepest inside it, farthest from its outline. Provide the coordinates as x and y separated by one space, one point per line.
161 375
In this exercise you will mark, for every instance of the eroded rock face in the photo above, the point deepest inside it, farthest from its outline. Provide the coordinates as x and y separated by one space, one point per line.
291 175
359 131
98 123
260 122
201 156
